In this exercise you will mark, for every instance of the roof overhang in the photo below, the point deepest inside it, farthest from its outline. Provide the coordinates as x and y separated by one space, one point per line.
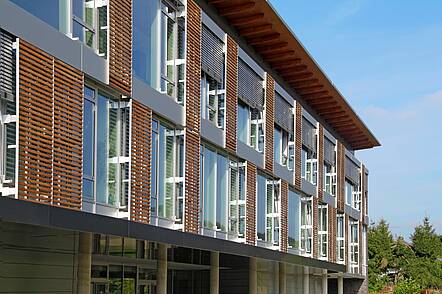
262 28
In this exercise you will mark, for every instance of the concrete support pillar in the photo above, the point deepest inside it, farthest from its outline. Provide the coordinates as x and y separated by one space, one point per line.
306 280
253 275
276 277
324 282
214 272
162 269
340 285
282 278
84 262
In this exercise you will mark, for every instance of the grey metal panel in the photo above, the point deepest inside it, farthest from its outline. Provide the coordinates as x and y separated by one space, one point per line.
308 188
283 173
207 21
246 152
283 113
350 211
161 104
329 199
30 28
250 86
250 62
7 64
309 117
329 136
94 65
212 134
212 54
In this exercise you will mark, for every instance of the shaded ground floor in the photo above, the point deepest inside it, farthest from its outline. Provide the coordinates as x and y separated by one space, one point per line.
45 258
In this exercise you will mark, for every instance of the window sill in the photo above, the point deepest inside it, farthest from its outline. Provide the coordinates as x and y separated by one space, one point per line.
212 133
283 172
246 152
308 188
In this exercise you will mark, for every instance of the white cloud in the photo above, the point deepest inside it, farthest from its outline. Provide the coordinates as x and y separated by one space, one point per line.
344 10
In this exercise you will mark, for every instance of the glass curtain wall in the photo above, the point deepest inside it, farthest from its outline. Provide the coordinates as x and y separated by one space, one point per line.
106 144
167 176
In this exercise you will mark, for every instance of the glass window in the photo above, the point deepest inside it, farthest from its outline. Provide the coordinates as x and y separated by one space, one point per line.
268 214
106 149
243 122
293 220
209 181
329 179
167 174
261 210
340 236
237 198
283 147
277 144
306 225
212 100
322 231
172 50
354 246
352 195
309 165
221 193
145 41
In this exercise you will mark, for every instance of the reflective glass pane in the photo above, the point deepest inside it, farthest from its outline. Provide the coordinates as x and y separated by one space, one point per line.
221 195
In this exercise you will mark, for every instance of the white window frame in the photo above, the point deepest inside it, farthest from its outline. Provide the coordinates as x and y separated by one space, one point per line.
275 214
175 62
354 246
310 166
340 239
305 237
285 150
236 204
219 95
330 179
321 233
257 125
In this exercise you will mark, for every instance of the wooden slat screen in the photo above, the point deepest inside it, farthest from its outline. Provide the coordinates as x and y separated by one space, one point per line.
50 129
231 94
120 45
284 215
270 122
298 145
340 177
251 175
68 136
193 117
332 231
35 124
141 148
315 212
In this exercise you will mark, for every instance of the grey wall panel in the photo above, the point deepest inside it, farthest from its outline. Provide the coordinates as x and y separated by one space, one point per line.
283 173
246 152
212 134
161 104
308 188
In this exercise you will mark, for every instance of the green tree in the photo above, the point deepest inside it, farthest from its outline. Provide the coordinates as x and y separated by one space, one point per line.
403 255
380 254
426 243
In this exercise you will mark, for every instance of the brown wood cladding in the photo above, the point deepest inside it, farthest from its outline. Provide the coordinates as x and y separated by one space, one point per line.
284 215
50 129
320 162
340 177
270 122
68 136
231 94
120 45
251 175
298 145
364 199
347 236
193 117
141 147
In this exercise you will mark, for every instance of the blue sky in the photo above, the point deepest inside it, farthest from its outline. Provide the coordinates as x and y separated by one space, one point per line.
386 59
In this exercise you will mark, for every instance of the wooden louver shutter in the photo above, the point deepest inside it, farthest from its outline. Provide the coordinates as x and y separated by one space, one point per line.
250 86
283 113
7 67
351 170
212 55
329 152
50 129
308 135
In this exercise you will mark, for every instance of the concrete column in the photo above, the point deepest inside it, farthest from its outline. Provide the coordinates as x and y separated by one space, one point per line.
306 280
340 285
84 262
253 276
324 282
282 278
276 277
214 272
162 269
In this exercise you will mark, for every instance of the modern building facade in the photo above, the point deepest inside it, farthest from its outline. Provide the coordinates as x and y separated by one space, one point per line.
167 146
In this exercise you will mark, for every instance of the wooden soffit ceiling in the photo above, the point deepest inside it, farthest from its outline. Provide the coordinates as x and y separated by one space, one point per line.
258 23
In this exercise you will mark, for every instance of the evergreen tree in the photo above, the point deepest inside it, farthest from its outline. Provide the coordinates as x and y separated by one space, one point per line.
426 243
